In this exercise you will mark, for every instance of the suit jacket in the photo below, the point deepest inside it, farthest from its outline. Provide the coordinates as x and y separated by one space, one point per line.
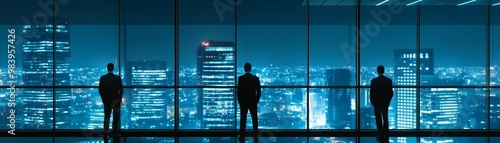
248 89
381 91
110 88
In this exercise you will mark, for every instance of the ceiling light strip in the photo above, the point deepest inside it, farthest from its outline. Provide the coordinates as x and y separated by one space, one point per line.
413 2
382 2
466 2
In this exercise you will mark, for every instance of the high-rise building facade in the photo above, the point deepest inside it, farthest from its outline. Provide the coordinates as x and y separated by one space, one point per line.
40 57
216 68
439 107
339 99
405 74
148 106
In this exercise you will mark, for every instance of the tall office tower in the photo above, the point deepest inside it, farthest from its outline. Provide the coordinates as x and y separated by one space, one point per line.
148 106
318 102
40 58
81 105
495 109
367 119
339 99
405 74
216 67
439 107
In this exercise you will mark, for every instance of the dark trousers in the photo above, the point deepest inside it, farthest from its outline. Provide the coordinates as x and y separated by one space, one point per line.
382 119
243 114
115 106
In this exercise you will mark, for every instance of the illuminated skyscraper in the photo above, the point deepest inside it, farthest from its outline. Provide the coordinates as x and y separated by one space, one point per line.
339 99
495 109
216 67
439 107
405 74
148 106
96 115
39 61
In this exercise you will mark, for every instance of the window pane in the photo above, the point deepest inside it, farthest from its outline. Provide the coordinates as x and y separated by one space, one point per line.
332 139
78 140
148 41
190 109
453 108
280 108
85 38
388 38
274 41
247 140
332 108
34 111
495 139
495 108
453 139
453 58
27 43
207 49
494 61
391 139
332 41
150 140
207 139
26 139
212 111
29 37
367 113
148 108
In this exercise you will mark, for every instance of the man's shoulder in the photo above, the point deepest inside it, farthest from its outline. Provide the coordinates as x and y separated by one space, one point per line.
110 76
104 76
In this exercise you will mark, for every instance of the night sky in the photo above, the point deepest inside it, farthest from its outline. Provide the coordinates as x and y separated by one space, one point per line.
275 33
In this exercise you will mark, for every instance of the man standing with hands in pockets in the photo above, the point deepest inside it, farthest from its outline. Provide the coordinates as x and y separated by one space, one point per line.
380 96
248 97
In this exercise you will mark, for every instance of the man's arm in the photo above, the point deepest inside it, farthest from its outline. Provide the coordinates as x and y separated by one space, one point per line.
238 91
100 87
392 91
372 95
120 86
258 90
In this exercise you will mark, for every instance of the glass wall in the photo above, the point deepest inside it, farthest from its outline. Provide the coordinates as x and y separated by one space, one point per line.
388 38
453 61
207 58
315 60
277 50
147 60
332 66
494 96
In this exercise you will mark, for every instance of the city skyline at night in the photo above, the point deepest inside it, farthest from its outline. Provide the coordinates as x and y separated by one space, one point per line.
179 62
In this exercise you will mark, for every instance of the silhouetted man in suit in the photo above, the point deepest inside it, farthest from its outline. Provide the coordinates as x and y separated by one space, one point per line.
111 91
248 98
380 96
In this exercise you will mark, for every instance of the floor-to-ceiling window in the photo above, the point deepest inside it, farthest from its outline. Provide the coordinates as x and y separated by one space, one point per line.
314 58
494 96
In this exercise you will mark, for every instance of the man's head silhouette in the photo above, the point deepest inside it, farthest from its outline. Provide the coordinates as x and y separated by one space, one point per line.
380 69
247 67
111 67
